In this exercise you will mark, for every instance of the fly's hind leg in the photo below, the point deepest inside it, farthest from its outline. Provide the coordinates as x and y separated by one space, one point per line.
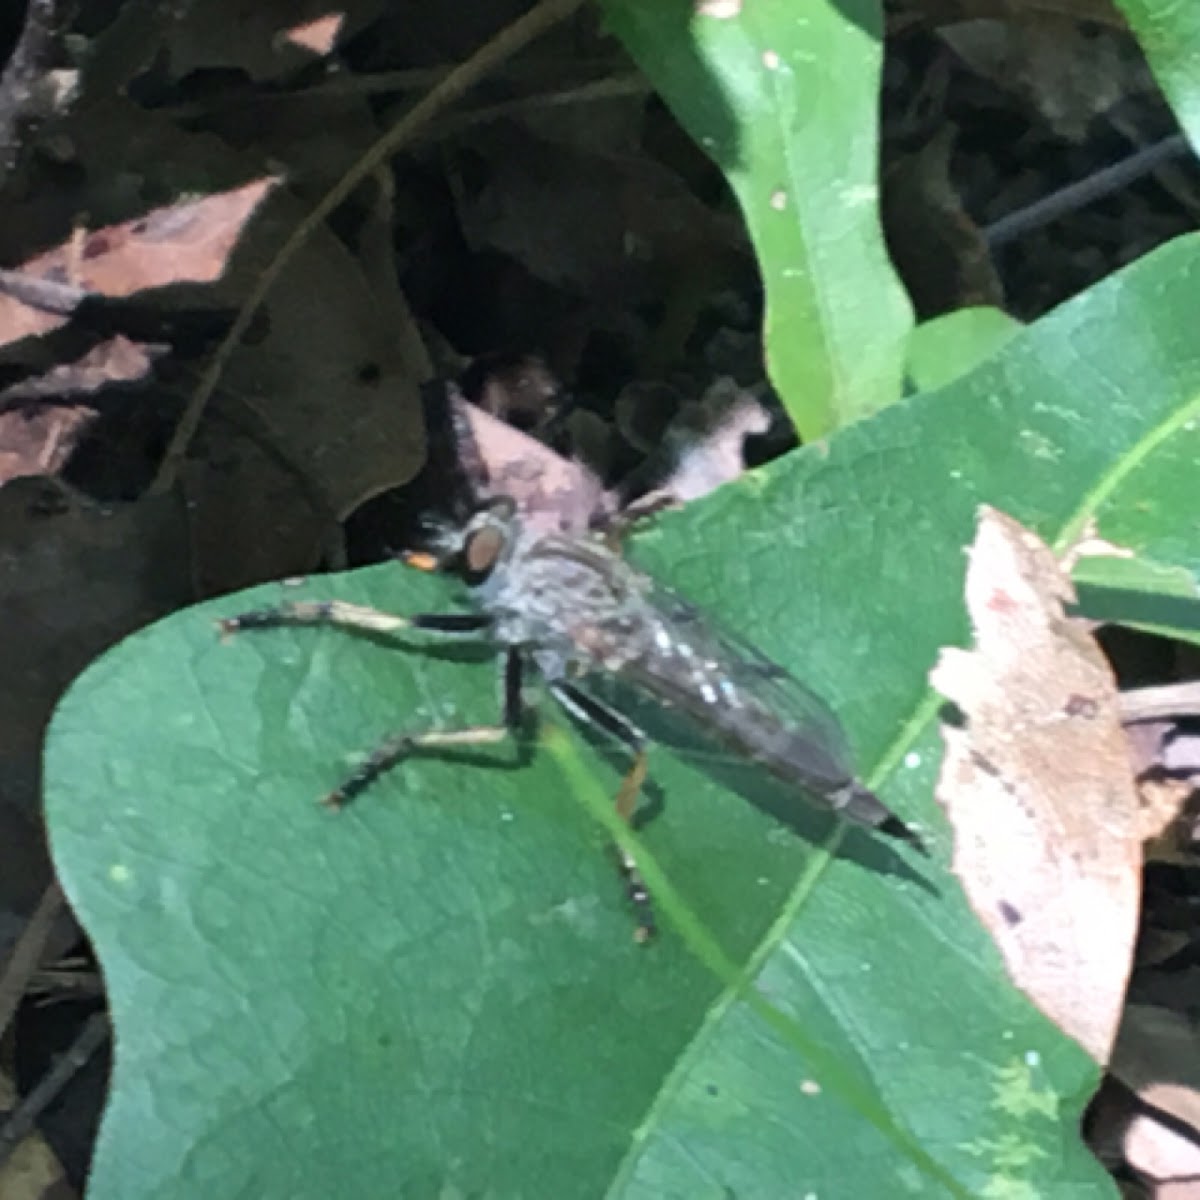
599 716
395 749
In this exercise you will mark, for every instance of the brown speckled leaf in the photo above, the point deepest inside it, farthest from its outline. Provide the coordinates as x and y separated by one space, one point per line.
1039 788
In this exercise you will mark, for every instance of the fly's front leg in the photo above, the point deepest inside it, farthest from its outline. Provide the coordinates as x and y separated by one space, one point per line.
356 617
394 749
638 513
599 716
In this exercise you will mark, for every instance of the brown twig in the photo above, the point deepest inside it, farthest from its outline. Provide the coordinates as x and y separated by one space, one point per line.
504 45
1160 703
27 953
617 88
21 1120
1077 195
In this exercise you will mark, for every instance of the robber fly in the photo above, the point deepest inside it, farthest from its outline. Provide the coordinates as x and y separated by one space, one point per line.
578 613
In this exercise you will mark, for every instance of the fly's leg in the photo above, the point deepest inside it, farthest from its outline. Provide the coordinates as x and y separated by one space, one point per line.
599 716
638 513
361 619
393 750
351 616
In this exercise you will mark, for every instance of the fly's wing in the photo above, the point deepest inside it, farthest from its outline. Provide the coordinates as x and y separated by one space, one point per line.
629 631
732 690
751 704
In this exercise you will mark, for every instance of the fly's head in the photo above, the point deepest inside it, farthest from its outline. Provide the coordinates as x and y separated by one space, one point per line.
474 550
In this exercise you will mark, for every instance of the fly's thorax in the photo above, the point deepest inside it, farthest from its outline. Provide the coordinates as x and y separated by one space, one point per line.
572 601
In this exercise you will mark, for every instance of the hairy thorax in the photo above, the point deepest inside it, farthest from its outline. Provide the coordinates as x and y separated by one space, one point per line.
576 605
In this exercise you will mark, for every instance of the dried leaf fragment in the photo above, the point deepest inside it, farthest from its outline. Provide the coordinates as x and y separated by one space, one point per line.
553 493
189 241
704 446
1039 787
318 36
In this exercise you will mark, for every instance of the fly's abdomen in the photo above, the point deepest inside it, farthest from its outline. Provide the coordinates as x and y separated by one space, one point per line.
788 753
797 758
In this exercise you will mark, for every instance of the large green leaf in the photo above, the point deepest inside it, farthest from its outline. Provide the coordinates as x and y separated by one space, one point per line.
785 98
945 347
1140 593
1169 34
436 992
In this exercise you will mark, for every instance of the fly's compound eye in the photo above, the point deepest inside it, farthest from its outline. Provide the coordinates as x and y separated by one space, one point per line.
481 552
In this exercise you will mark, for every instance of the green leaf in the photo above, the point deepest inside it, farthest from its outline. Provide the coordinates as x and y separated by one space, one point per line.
436 992
1169 35
1137 592
942 349
785 100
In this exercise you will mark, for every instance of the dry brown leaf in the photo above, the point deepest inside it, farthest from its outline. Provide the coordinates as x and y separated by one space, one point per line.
1168 820
607 226
1089 544
1157 1056
186 242
939 249
318 36
329 381
553 493
1039 787
323 373
249 518
39 441
1048 60
75 578
266 39
117 360
316 133
41 419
